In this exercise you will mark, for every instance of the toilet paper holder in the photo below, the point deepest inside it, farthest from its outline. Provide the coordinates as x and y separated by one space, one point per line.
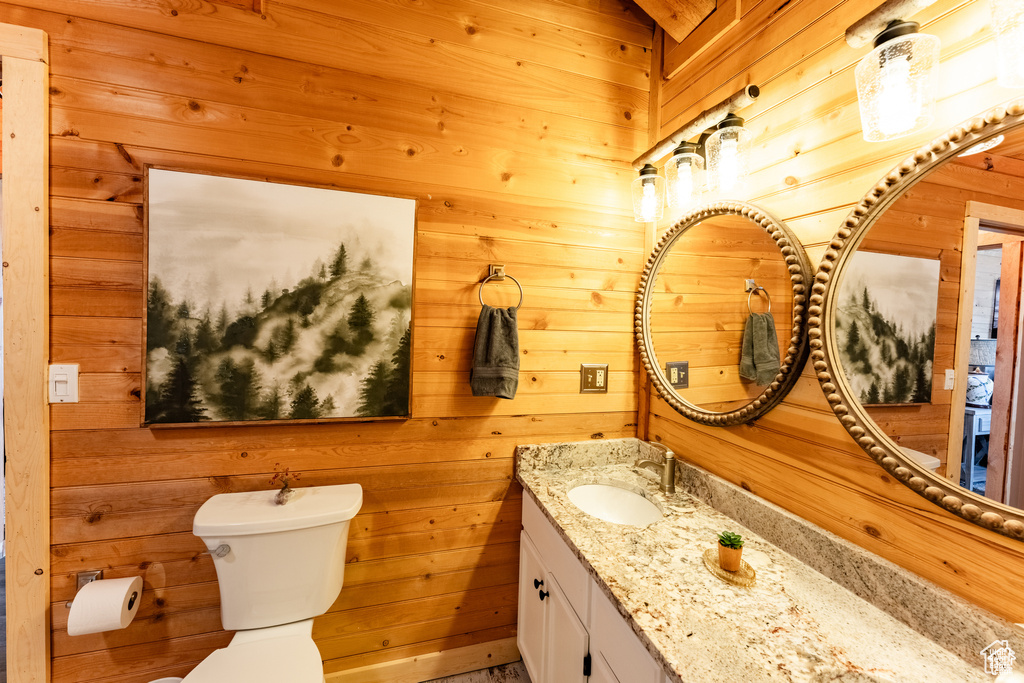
85 578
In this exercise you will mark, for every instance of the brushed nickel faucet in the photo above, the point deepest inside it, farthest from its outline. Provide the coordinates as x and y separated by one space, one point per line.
666 467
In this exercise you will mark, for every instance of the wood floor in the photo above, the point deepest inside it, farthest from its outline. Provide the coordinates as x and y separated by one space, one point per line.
509 673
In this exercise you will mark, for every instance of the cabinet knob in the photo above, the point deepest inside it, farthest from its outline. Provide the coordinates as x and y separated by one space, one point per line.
544 595
537 583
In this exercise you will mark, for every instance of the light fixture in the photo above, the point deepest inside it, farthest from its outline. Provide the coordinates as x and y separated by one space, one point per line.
1008 25
895 82
648 195
685 175
982 146
727 159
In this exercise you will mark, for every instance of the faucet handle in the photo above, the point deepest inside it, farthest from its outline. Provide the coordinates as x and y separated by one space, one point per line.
666 452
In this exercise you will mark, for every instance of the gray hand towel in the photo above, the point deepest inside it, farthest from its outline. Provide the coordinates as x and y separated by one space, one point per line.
496 353
759 358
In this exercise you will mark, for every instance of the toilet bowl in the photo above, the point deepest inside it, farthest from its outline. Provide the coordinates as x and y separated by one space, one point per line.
278 566
278 653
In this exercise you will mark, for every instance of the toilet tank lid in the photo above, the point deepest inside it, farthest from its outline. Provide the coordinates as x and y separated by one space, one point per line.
256 512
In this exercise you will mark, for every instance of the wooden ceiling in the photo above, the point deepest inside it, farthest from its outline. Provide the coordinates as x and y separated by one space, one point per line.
678 17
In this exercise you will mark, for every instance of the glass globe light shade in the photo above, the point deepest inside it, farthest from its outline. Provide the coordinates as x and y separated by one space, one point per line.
896 83
1008 25
727 158
685 175
648 195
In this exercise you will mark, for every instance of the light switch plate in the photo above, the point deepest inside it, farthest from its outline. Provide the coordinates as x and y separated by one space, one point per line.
950 378
64 383
594 378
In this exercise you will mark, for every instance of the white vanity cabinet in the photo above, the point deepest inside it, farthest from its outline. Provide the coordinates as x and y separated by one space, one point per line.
569 630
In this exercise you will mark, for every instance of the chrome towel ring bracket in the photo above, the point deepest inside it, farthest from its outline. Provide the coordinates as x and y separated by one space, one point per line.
758 289
497 273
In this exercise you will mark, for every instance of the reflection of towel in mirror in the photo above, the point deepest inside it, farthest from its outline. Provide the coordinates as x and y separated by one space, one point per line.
496 353
759 358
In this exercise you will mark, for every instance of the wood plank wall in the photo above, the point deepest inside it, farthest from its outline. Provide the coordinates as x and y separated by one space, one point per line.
512 122
810 166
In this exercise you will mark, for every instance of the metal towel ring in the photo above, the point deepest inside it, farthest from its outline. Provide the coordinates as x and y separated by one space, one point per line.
767 296
480 292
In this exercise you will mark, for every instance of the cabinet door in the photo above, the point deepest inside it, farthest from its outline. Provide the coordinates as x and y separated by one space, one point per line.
531 608
567 639
600 672
614 640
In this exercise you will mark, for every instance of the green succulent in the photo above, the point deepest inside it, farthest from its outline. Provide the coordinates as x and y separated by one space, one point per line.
730 540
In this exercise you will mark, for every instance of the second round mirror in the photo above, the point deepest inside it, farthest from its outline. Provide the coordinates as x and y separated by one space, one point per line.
720 320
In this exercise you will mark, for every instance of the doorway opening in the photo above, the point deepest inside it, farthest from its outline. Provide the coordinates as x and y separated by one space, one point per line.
992 457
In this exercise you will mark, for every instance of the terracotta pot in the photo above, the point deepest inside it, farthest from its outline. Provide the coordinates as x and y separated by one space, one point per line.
729 558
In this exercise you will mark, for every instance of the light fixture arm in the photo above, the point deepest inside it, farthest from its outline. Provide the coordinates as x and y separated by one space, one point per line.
708 118
864 30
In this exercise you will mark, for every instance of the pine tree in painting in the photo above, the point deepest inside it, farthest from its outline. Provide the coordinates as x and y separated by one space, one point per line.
206 338
270 406
373 397
398 385
328 407
922 387
159 317
339 266
178 400
239 389
361 315
853 342
305 405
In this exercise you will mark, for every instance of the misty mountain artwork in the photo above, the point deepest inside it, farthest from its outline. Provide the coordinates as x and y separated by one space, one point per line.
269 301
885 327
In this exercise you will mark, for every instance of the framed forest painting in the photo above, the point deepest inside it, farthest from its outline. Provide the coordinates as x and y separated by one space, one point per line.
885 327
269 301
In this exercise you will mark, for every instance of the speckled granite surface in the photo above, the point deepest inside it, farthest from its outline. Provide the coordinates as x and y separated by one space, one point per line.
794 625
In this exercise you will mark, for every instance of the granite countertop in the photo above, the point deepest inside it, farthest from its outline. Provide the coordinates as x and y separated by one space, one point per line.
793 625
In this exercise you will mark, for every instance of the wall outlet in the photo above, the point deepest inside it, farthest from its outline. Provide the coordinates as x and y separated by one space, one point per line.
678 373
950 378
594 378
64 383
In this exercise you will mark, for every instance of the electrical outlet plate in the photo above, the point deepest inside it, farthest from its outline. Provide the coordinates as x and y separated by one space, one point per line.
594 378
678 373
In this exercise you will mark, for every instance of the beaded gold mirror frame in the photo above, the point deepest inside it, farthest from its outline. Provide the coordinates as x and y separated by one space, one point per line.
824 303
799 269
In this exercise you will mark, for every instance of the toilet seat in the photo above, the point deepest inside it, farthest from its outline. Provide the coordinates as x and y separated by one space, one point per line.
294 659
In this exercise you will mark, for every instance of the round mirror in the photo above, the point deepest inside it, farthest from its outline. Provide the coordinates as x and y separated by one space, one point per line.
915 321
720 313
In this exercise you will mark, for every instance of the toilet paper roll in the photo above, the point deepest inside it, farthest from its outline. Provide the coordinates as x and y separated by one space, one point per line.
104 605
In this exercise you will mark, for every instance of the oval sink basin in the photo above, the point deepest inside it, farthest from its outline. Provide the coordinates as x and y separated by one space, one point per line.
614 504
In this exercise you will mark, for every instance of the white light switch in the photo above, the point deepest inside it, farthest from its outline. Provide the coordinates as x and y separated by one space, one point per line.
950 377
64 383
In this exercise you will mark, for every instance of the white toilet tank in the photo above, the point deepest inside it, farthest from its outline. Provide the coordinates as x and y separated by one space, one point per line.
287 562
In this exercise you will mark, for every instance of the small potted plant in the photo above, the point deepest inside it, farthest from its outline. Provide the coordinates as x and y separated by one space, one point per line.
730 551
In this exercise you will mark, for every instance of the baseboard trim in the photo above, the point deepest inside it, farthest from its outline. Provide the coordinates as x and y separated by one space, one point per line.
432 665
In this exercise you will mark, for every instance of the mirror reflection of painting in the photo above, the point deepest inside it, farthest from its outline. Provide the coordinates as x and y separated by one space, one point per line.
885 327
275 302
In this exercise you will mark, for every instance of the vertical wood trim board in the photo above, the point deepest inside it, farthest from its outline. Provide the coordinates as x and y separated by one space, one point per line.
809 166
26 330
511 122
968 268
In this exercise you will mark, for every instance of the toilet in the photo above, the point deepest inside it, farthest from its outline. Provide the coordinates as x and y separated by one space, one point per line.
278 566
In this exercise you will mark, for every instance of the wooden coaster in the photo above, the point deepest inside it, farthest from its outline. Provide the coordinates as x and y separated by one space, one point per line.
745 576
